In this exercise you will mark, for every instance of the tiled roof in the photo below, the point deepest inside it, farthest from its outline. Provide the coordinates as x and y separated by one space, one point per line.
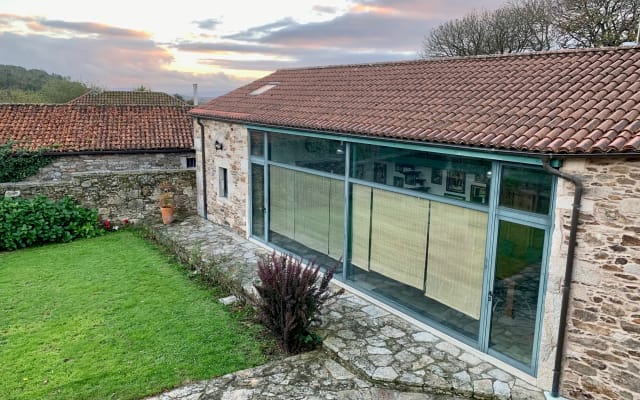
76 128
123 98
576 101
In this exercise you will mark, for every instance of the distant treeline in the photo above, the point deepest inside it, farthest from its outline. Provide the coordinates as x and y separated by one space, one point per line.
20 85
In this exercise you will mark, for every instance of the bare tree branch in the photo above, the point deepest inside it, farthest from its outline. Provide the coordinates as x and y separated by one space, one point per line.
595 23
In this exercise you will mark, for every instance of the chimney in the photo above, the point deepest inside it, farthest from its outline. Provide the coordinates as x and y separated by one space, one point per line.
195 94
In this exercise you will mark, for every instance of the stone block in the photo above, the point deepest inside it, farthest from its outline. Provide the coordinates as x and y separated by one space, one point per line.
483 388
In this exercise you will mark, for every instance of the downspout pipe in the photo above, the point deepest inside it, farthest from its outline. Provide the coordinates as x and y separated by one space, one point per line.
568 274
204 169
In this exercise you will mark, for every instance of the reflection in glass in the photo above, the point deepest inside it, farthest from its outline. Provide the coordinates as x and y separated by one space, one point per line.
453 177
257 200
307 214
257 143
526 189
307 152
515 290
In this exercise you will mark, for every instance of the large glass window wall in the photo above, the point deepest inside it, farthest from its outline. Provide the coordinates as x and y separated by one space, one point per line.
458 242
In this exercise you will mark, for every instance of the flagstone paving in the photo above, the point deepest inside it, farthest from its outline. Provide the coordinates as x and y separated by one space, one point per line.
367 353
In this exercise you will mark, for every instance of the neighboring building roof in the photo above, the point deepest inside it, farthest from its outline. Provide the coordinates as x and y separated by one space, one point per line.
575 101
125 98
75 128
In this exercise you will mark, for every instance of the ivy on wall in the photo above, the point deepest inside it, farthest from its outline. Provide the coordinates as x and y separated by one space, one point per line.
17 164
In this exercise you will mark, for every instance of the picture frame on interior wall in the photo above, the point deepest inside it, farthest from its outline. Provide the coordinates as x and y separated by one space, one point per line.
380 173
436 176
479 194
456 181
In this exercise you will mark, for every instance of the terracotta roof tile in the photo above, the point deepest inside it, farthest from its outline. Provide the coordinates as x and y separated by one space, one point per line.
548 102
125 98
75 128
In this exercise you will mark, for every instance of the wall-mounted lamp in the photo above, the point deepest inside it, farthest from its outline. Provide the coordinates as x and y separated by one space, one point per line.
219 145
340 149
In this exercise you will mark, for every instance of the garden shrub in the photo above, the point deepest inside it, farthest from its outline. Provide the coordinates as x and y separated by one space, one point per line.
290 299
28 222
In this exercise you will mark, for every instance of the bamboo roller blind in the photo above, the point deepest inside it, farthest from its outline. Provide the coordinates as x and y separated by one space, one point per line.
308 208
336 219
399 237
360 225
281 201
456 257
311 216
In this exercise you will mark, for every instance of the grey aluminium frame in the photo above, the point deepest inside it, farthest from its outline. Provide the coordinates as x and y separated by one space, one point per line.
543 222
495 212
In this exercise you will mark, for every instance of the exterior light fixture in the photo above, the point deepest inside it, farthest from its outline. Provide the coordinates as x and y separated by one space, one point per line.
340 149
219 145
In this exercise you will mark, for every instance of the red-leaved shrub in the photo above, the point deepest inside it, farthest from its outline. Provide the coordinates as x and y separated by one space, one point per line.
290 299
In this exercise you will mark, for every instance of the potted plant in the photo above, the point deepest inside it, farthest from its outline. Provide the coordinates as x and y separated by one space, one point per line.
167 207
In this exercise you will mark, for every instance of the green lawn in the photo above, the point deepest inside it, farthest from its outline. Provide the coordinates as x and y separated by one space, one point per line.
110 318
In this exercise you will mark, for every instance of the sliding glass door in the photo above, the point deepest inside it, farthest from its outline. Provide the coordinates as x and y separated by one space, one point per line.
516 290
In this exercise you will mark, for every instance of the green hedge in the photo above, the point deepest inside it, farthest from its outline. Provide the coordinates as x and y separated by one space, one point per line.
17 164
28 222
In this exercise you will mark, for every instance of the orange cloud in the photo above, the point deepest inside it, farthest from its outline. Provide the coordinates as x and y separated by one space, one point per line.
364 8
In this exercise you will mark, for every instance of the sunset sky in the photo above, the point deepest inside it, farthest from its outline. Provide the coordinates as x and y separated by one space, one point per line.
220 45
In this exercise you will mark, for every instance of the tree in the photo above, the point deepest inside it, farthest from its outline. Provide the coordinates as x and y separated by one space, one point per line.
466 36
535 25
541 22
62 90
595 23
19 96
518 26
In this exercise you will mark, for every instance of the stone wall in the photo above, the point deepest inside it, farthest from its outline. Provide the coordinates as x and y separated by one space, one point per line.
603 333
118 195
65 167
230 211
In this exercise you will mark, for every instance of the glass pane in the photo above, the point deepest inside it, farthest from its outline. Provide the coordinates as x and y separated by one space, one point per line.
515 290
399 237
257 143
454 177
399 241
318 154
307 215
257 200
455 273
526 189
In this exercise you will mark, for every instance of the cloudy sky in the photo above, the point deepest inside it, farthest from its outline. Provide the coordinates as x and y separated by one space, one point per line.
168 45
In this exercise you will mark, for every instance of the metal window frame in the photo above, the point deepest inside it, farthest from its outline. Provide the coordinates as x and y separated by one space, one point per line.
496 213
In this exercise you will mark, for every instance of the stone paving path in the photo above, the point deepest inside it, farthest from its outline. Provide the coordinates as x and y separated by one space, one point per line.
308 376
367 352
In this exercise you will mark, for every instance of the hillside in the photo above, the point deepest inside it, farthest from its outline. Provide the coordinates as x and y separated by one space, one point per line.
20 85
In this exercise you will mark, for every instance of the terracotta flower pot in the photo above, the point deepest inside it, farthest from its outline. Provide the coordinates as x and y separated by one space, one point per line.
167 214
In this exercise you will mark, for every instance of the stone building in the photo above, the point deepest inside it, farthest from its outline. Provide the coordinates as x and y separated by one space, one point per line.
496 199
110 157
